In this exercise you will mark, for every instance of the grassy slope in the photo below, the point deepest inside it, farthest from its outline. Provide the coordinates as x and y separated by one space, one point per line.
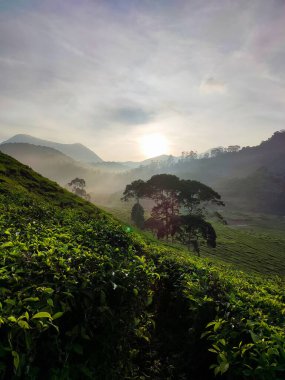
250 249
251 242
129 307
19 179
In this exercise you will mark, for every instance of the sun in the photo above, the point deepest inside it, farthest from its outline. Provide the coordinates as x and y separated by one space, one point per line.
153 145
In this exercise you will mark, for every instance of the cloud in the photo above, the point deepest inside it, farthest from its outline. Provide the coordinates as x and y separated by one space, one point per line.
212 85
131 116
101 72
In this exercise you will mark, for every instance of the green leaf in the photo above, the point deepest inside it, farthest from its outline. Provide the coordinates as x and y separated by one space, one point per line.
16 359
217 370
149 300
42 314
12 319
57 315
224 366
24 325
50 302
254 337
31 299
45 290
8 244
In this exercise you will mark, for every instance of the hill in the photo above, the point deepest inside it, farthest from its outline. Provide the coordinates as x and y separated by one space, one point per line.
77 151
85 297
54 165
269 154
252 178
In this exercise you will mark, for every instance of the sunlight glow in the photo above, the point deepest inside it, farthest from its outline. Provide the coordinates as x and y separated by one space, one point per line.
154 145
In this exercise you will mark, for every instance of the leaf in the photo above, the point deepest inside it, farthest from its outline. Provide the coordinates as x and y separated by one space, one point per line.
57 315
45 290
31 299
50 302
16 359
224 366
42 314
24 325
217 370
254 337
149 300
8 244
12 319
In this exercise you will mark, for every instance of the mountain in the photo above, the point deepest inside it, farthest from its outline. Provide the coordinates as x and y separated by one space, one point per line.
78 152
269 154
164 158
252 178
49 162
262 191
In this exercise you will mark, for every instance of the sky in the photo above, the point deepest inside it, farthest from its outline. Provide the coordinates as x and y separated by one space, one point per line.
111 73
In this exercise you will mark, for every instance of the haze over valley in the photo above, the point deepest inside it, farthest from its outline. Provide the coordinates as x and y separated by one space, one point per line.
250 178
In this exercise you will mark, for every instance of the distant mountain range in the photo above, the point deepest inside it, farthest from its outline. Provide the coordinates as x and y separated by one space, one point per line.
252 178
81 153
77 151
49 162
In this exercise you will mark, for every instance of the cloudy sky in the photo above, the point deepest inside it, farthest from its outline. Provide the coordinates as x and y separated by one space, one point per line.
109 73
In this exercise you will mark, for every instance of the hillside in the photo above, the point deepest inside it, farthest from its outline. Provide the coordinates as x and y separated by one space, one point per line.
269 154
252 178
77 151
84 297
55 165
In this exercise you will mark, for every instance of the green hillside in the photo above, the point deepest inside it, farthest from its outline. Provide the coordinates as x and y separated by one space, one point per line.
82 296
250 242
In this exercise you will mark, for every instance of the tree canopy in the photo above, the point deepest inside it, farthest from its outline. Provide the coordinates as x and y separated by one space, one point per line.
77 186
179 209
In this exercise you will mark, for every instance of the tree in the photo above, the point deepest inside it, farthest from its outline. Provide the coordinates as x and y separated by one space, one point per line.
217 151
194 227
179 209
78 187
137 215
233 148
135 190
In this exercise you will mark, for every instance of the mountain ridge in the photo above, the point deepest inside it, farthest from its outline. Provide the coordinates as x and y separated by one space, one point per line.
77 151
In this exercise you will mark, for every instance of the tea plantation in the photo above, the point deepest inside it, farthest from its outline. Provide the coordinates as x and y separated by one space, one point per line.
82 296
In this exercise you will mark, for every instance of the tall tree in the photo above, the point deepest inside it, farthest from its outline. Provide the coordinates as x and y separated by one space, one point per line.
137 215
179 209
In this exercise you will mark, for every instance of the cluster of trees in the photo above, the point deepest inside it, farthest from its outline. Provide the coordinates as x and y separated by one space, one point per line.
186 155
179 208
214 152
219 150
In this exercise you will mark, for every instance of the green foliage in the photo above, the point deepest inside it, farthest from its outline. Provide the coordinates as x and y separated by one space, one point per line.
77 186
179 208
83 297
137 215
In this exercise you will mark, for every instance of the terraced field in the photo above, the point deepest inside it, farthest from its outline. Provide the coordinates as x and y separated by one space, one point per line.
250 249
251 242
